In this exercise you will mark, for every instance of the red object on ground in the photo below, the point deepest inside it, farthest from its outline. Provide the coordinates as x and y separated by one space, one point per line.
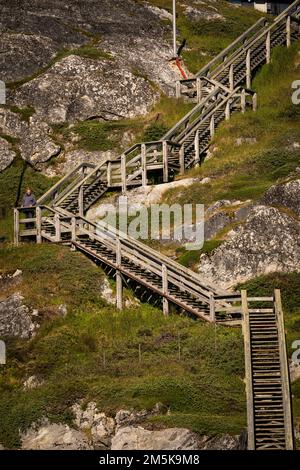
178 63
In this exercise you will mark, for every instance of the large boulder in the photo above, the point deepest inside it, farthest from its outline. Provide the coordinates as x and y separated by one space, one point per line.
78 88
286 195
138 438
267 242
99 426
15 318
54 437
35 143
7 155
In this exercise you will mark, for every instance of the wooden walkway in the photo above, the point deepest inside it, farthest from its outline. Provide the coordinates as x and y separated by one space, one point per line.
220 89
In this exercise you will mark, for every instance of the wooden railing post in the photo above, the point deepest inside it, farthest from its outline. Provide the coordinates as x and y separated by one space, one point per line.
38 223
178 89
199 89
73 231
227 110
231 78
16 227
287 409
212 308
57 226
165 162
164 273
212 126
144 164
181 160
268 47
288 31
123 173
197 149
81 201
248 69
108 173
248 370
119 280
254 102
243 101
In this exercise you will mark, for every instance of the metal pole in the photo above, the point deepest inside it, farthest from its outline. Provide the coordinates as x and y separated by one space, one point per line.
174 29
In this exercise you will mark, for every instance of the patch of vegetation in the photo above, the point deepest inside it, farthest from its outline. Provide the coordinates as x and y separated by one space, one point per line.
154 131
53 273
190 258
90 52
68 355
24 113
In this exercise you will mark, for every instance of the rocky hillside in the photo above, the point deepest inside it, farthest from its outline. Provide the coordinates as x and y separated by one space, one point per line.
74 62
85 81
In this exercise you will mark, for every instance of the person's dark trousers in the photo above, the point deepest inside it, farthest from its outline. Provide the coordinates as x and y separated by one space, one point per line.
29 214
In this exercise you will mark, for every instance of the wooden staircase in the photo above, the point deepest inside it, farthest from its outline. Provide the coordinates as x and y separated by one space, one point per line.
237 63
267 375
60 218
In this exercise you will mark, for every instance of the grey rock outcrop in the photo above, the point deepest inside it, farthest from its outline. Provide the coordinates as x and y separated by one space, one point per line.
138 438
7 155
99 426
54 437
267 242
225 442
286 195
15 318
103 90
36 145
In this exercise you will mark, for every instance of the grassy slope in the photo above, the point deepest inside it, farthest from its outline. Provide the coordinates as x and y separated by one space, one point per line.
203 388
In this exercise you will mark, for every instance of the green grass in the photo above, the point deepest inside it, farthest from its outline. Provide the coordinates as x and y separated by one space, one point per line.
191 258
67 353
107 135
24 113
53 273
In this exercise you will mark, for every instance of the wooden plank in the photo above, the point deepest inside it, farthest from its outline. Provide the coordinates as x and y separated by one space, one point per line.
248 371
119 280
248 69
288 31
268 47
165 162
16 227
57 228
144 165
181 160
199 89
165 289
288 422
38 214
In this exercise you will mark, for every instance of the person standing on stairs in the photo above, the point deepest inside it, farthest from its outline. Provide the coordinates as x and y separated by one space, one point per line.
29 201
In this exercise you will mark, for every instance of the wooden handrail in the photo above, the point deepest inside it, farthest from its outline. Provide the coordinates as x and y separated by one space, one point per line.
254 40
65 178
223 53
